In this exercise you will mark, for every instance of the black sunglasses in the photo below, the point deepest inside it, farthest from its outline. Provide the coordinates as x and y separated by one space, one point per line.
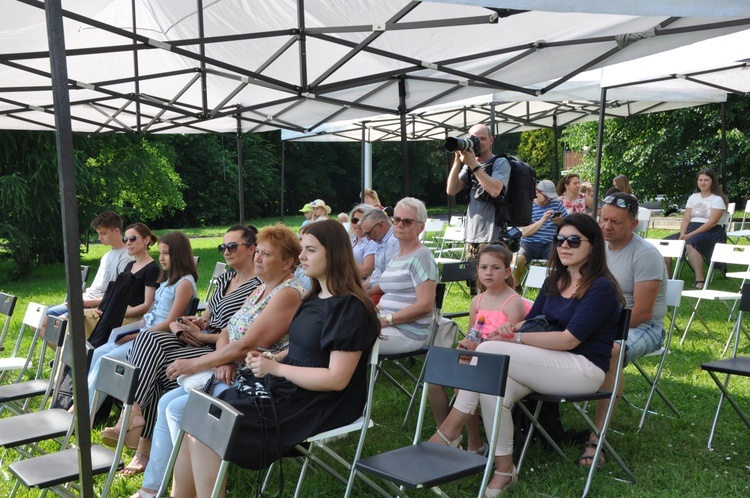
355 220
621 203
132 238
574 241
406 221
231 247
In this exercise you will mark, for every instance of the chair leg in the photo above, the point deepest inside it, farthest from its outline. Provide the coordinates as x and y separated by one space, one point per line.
724 394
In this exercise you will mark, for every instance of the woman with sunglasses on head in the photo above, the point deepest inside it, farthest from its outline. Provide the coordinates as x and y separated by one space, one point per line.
191 336
581 301
364 247
319 383
408 283
138 240
700 229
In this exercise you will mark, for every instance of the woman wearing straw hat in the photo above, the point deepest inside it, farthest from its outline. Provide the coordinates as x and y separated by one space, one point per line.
320 210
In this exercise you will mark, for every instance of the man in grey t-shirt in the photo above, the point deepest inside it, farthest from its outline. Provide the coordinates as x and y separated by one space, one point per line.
639 269
468 172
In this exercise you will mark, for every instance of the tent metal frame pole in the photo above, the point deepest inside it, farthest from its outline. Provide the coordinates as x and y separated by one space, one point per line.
202 50
281 186
557 151
404 142
240 161
599 145
362 163
724 148
136 72
72 244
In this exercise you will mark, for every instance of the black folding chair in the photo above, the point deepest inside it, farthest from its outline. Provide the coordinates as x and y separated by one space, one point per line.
426 465
736 365
578 402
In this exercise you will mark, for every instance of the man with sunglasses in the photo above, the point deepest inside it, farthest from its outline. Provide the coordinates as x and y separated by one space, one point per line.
469 171
640 270
546 213
376 226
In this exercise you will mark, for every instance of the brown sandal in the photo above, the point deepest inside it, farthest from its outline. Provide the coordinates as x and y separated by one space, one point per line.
587 460
110 435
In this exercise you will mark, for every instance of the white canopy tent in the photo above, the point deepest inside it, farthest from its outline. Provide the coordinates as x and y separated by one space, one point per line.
175 66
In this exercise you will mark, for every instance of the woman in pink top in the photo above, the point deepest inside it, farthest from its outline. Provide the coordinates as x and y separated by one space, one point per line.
498 303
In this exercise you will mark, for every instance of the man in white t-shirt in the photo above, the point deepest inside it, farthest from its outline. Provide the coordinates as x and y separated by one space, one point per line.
108 225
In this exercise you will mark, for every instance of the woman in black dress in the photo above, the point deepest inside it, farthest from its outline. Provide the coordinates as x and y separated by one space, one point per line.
319 383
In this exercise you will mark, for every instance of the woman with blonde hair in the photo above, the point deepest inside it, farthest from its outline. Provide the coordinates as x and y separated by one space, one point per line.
622 183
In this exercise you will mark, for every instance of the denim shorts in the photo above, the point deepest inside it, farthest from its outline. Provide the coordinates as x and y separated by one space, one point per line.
644 339
535 250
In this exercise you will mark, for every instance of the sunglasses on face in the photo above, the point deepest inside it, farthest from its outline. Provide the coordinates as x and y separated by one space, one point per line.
574 241
231 247
132 238
406 221
620 203
355 220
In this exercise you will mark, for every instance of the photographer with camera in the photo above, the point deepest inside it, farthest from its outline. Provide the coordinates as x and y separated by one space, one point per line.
471 169
547 211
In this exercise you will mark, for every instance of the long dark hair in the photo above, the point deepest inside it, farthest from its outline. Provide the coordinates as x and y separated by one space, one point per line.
593 268
562 185
342 275
181 261
715 187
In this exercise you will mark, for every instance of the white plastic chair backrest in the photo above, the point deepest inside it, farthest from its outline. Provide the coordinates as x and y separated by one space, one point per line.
669 248
644 218
433 225
35 314
218 270
456 221
726 218
731 254
535 278
674 292
744 214
454 234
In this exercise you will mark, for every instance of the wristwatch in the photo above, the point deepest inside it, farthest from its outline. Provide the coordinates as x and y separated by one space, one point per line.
518 337
389 319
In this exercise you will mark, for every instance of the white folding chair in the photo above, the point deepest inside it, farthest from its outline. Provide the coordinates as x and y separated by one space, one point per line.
735 365
219 268
674 294
457 221
534 278
670 249
726 218
644 220
32 324
433 229
734 236
427 465
451 246
723 253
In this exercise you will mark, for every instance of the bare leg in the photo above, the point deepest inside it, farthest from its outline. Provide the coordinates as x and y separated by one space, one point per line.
205 468
475 434
519 269
183 483
696 262
438 403
504 464
451 427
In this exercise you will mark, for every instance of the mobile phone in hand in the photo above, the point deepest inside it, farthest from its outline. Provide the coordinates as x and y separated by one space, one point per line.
557 214
180 319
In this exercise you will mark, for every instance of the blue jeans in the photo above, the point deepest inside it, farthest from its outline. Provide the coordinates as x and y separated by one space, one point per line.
171 407
57 310
110 350
644 339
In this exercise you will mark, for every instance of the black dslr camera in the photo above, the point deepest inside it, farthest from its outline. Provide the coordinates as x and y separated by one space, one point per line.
452 144
511 237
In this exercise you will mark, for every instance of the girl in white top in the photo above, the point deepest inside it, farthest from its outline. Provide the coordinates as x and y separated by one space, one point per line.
699 228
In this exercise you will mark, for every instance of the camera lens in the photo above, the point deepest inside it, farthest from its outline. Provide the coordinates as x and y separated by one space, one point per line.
452 144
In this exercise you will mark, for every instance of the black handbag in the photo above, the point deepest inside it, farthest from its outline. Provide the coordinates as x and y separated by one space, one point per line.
540 324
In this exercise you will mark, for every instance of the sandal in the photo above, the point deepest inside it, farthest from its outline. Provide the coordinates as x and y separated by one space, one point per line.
110 435
587 460
456 443
496 492
698 285
144 450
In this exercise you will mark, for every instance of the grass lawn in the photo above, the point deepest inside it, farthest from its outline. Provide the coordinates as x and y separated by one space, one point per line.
669 457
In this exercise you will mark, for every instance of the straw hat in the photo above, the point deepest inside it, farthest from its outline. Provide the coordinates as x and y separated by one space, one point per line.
320 203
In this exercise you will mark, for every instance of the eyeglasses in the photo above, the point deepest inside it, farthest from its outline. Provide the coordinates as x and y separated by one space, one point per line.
132 238
231 247
406 221
355 220
367 233
621 203
574 241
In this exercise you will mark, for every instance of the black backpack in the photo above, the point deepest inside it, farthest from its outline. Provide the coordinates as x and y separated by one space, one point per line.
514 204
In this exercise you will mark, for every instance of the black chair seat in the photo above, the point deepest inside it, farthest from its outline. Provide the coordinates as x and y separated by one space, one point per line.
34 427
23 390
423 465
573 398
61 467
409 354
735 366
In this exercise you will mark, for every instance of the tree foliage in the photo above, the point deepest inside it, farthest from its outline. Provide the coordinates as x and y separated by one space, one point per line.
537 148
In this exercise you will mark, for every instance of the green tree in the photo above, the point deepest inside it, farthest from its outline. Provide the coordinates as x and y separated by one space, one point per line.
537 148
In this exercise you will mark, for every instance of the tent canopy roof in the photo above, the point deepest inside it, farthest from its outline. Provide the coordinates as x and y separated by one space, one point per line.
166 67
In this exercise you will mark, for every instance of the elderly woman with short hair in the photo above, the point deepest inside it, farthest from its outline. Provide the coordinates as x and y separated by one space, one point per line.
408 283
